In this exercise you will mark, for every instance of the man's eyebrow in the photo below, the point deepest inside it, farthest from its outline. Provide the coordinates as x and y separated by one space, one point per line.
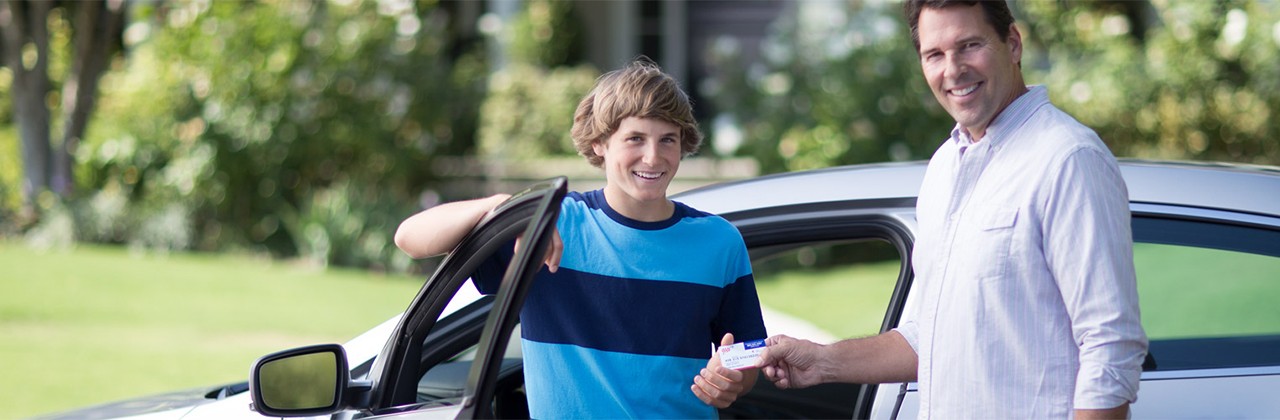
959 42
972 38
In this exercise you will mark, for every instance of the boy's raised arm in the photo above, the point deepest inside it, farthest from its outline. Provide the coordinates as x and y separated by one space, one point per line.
437 230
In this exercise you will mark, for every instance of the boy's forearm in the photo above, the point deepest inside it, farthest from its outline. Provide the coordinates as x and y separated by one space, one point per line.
438 230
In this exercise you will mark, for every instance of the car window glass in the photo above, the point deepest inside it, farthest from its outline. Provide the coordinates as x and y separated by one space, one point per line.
823 291
1204 306
1208 308
450 350
453 343
465 295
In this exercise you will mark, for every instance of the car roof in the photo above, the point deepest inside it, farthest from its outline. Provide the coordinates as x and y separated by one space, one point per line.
1245 188
842 183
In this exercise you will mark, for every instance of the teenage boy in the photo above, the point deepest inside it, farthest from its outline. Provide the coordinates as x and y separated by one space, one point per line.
637 288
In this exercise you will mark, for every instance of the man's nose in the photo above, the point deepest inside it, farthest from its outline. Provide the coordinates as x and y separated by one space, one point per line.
955 66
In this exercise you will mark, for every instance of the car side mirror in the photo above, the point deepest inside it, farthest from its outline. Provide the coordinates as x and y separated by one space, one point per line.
305 381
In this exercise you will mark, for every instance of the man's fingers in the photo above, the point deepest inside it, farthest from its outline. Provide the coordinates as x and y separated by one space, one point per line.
777 373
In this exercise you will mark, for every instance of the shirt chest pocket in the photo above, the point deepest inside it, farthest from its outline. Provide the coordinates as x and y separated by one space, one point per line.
988 238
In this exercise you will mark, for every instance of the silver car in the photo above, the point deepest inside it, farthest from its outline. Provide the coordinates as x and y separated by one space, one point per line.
1207 250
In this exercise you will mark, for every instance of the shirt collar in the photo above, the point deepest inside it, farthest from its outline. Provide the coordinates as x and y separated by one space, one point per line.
1013 116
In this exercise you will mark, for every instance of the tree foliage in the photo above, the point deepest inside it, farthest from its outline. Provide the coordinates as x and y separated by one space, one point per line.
295 128
528 110
840 82
1167 79
51 50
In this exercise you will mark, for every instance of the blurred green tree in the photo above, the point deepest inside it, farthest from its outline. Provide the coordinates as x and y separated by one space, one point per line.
75 41
840 82
295 128
1166 79
529 108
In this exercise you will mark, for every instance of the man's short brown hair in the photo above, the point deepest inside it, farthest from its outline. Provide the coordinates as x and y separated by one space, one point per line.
641 90
996 11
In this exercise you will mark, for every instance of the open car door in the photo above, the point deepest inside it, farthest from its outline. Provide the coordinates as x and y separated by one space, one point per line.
447 330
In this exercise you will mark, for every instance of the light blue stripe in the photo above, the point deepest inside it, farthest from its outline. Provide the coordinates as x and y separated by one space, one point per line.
654 254
566 381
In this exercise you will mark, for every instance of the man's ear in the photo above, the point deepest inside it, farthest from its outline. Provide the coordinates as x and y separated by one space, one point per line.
1015 43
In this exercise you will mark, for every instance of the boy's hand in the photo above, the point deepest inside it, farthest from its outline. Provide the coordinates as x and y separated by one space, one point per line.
554 251
719 386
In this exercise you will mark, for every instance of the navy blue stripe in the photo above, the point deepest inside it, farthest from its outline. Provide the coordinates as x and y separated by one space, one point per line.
741 306
622 315
488 276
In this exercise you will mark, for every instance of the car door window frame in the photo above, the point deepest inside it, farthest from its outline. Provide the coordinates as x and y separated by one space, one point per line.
398 368
881 219
1205 229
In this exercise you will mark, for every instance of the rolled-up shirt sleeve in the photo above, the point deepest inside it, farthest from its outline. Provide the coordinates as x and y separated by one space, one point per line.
910 332
1089 248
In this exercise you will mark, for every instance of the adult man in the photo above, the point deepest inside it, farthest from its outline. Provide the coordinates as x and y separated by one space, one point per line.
1025 303
637 286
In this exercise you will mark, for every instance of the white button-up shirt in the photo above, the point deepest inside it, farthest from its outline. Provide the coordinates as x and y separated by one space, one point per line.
1026 302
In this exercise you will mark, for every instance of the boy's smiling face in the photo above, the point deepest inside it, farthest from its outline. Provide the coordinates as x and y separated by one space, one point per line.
640 159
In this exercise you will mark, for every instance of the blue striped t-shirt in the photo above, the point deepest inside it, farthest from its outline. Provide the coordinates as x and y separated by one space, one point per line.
631 316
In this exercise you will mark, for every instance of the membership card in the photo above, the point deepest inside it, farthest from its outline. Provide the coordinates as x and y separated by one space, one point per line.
738 356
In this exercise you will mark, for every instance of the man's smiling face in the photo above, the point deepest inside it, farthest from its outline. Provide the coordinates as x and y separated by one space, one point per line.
973 73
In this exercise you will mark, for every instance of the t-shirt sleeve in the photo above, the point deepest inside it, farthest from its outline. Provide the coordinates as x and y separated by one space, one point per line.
488 277
740 308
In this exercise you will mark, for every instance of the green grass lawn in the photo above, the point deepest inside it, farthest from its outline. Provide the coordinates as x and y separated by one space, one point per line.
96 324
846 302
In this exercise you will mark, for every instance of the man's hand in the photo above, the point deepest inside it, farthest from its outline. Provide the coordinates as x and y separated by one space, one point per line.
791 363
719 386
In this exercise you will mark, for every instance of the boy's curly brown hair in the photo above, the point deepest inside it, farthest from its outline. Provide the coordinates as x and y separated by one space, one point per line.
641 90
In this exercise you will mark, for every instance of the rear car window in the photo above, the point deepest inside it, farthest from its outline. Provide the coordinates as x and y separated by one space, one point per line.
1208 293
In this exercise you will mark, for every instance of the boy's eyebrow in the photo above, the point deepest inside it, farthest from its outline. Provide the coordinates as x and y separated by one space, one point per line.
642 133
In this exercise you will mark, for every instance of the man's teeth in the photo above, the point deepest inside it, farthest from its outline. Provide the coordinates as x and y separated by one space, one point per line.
648 175
965 91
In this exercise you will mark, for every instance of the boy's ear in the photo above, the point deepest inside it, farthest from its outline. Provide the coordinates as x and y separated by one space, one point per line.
598 147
